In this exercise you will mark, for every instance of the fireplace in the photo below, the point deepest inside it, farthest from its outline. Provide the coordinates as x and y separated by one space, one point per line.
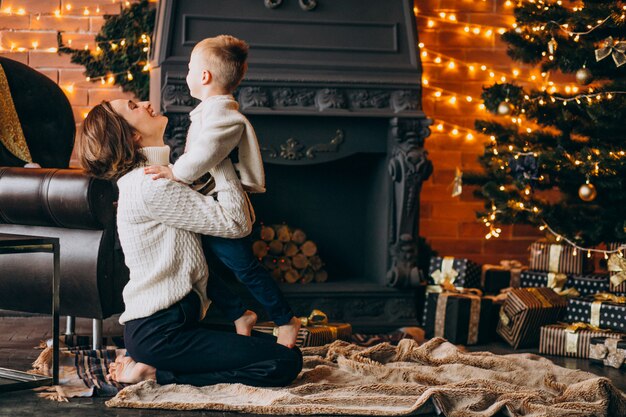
333 91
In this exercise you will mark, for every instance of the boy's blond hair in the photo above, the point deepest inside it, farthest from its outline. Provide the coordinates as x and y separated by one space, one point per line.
225 57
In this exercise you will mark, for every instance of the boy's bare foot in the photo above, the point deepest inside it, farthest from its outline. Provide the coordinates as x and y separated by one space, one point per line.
126 371
288 333
245 323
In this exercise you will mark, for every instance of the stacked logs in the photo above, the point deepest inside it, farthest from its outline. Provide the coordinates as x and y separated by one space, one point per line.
288 255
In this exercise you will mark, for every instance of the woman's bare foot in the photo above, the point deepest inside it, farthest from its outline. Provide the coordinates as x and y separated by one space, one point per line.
126 371
245 323
288 333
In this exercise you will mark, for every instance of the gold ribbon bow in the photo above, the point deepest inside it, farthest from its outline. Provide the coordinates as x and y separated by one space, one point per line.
617 264
567 293
575 327
11 134
611 298
557 280
316 318
616 49
447 273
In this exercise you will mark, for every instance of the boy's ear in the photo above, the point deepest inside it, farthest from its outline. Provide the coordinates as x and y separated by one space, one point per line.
207 77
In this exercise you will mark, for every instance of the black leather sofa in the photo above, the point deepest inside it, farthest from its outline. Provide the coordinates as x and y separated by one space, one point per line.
60 202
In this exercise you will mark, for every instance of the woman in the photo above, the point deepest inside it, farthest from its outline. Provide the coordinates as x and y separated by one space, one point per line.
158 222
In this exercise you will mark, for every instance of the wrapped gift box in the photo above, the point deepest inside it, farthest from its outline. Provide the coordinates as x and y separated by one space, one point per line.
549 257
608 351
316 335
573 340
495 278
585 284
460 318
604 310
460 272
617 272
535 279
525 311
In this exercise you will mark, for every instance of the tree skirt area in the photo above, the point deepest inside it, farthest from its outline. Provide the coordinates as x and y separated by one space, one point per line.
385 380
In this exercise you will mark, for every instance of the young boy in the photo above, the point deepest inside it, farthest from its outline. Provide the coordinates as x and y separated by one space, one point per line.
216 68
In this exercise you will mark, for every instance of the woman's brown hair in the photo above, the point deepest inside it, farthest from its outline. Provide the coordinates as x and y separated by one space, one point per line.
107 147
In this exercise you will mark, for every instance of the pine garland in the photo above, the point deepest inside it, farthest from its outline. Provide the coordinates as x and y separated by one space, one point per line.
123 47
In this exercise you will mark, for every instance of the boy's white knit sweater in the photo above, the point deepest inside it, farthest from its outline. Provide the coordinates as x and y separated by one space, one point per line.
158 225
217 127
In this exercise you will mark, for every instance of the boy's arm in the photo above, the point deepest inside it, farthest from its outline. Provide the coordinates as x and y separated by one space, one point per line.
213 144
177 205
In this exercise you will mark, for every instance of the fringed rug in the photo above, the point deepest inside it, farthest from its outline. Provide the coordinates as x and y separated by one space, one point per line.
384 380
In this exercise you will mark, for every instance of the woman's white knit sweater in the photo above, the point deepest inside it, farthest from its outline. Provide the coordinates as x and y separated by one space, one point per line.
158 225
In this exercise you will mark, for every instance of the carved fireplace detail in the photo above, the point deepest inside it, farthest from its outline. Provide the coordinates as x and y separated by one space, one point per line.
333 91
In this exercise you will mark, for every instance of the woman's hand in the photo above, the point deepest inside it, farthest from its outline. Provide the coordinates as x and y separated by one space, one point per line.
160 171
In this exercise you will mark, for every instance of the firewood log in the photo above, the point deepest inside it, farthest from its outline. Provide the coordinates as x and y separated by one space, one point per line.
298 236
290 249
307 276
267 233
300 261
316 263
291 276
270 263
276 247
308 248
321 276
284 263
283 234
277 274
259 248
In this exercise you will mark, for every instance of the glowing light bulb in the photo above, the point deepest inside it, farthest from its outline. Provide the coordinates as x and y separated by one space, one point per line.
472 68
21 12
451 65
440 127
86 11
455 131
70 88
437 60
68 7
430 23
437 94
452 100
35 44
476 31
469 136
129 76
57 13
574 252
469 99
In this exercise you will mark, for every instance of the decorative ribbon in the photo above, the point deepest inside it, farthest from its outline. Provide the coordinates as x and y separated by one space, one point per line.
611 298
316 318
617 264
11 134
567 293
446 273
539 296
615 49
556 280
440 316
555 256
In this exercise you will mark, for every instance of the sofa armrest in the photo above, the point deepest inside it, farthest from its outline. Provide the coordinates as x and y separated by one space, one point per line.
65 198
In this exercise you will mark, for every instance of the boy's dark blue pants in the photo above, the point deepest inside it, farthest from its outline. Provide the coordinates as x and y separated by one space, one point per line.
184 352
237 255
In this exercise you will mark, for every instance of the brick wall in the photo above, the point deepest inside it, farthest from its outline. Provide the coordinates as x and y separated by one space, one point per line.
448 223
36 22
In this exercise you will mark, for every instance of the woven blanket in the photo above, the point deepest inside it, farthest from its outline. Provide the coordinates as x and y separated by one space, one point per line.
82 372
408 379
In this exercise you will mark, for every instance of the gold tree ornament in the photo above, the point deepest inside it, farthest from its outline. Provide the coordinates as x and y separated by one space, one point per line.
505 108
584 76
587 192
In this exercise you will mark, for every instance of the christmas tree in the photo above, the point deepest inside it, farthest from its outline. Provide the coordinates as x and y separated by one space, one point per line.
556 157
122 50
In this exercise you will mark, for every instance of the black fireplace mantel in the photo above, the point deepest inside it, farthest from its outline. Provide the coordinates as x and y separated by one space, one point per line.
327 80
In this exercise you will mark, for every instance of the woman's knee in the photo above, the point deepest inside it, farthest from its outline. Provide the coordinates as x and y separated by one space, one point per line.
288 367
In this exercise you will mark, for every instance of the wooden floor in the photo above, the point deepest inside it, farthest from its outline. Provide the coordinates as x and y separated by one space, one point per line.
19 336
